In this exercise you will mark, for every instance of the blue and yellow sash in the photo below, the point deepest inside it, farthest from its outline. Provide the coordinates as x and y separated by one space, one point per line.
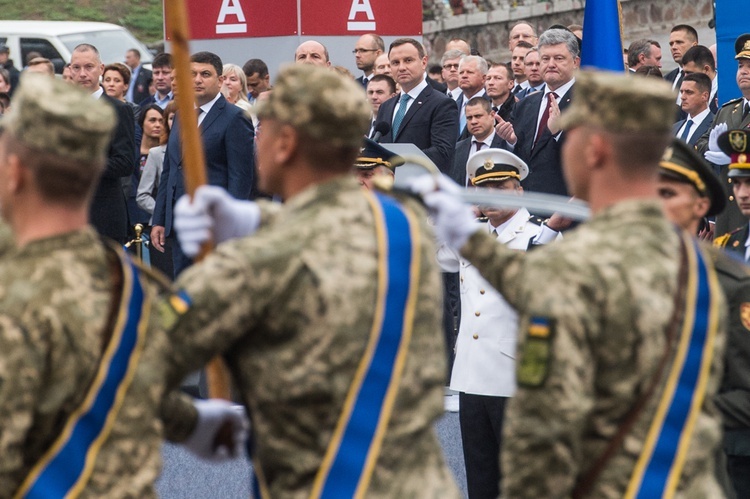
66 467
660 464
355 445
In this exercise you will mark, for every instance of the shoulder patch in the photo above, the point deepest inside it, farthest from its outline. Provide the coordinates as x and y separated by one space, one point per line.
172 307
745 315
536 353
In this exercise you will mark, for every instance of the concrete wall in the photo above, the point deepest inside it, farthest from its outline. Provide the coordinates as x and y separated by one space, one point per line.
488 24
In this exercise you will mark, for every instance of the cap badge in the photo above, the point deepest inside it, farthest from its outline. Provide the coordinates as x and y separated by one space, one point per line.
488 165
738 140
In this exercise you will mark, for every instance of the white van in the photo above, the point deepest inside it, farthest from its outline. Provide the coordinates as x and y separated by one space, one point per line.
55 40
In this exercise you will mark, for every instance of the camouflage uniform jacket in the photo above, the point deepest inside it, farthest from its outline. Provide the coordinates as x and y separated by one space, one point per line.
292 308
54 302
608 291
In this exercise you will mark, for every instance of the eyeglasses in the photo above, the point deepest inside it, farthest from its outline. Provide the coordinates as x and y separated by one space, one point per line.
450 66
88 68
362 51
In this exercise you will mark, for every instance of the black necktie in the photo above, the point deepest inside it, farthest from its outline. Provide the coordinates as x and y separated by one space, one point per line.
745 111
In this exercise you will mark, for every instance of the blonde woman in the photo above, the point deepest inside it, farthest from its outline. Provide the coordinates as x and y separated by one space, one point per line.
234 88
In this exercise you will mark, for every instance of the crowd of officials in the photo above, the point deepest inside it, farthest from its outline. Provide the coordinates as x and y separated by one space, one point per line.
502 125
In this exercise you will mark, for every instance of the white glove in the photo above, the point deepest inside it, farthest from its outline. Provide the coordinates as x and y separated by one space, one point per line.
713 138
213 414
717 157
454 221
213 210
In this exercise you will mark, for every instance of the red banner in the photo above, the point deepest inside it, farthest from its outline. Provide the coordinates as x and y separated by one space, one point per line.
356 17
213 19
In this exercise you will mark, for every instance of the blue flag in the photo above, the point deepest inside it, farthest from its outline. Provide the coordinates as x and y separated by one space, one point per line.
602 38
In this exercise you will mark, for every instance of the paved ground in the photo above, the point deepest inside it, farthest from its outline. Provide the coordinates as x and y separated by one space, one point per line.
185 476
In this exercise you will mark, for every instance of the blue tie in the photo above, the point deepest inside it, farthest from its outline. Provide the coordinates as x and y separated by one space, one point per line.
461 118
686 132
400 114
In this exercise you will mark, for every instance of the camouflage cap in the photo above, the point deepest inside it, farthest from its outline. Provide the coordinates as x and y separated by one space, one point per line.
320 103
53 116
619 103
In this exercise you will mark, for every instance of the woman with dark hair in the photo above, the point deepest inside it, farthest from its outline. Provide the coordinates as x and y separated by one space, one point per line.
150 172
116 80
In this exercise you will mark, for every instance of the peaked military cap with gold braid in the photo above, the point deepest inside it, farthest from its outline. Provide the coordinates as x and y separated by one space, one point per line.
373 155
742 47
681 163
736 145
495 165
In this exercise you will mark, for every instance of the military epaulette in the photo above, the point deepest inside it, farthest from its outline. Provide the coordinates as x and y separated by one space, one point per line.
733 101
721 241
537 220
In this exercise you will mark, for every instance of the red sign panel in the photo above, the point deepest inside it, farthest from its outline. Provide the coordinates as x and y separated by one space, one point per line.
356 17
213 19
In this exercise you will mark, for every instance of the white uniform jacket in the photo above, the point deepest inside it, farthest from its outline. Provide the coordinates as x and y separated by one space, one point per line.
486 345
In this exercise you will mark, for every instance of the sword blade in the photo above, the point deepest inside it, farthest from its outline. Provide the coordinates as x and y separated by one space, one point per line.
537 203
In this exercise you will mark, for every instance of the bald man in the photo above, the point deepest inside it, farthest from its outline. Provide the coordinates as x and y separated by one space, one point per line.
312 52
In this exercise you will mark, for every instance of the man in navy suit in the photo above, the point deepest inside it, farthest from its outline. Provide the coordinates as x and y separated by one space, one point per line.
227 142
420 114
480 123
140 77
694 92
699 59
534 134
366 51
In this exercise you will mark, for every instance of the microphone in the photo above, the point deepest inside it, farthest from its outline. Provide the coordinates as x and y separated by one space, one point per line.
381 128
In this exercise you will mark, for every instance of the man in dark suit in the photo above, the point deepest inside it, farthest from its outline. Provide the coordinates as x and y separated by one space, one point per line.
227 142
699 59
162 76
366 50
140 77
471 73
681 38
420 115
499 84
480 122
694 92
534 134
108 211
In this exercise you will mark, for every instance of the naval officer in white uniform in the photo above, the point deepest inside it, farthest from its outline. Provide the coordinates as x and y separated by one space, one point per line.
484 368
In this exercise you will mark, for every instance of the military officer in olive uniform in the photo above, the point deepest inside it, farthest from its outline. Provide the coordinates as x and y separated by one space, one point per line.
603 329
83 369
329 315
484 369
691 191
734 114
734 144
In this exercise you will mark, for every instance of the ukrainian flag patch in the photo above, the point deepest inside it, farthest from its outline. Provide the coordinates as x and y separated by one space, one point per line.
180 302
536 353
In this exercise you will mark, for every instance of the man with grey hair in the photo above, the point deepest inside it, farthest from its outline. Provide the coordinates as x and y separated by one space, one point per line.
450 61
533 131
644 52
296 334
108 211
472 70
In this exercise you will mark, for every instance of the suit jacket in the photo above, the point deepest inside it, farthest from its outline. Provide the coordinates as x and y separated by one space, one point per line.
672 75
459 103
731 114
362 81
140 85
108 212
230 161
543 159
702 128
431 124
463 151
440 87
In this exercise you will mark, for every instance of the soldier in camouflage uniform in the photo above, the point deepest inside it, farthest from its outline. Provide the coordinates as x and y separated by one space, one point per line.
59 294
595 337
292 306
